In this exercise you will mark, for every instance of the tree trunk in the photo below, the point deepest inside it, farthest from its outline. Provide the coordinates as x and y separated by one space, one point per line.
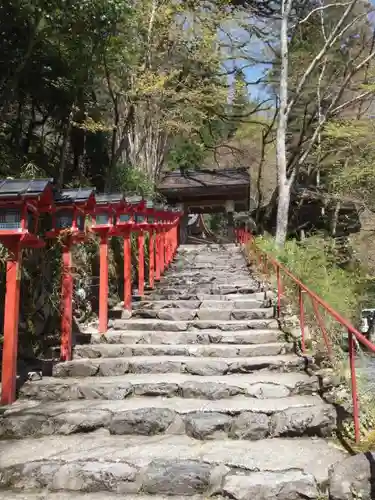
282 214
284 184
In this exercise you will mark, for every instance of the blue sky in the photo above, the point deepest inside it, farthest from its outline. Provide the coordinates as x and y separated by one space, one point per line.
254 73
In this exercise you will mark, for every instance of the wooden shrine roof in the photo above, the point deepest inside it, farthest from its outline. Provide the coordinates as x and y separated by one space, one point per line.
207 187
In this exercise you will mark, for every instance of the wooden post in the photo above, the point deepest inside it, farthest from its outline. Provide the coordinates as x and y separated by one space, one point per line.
141 264
11 318
127 272
66 304
162 251
170 245
167 247
166 242
103 285
157 255
151 252
175 232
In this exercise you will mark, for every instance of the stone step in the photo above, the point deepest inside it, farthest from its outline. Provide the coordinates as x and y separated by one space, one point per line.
156 296
244 418
73 495
237 272
247 302
182 326
278 468
196 351
185 337
208 288
180 266
206 280
178 364
264 384
203 313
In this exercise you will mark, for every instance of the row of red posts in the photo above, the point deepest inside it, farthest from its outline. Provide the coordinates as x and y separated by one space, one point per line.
71 215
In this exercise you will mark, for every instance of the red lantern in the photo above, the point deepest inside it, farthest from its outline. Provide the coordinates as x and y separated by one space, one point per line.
21 202
69 223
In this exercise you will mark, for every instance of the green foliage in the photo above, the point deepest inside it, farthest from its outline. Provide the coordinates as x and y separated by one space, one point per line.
217 222
351 172
186 154
313 261
240 105
132 180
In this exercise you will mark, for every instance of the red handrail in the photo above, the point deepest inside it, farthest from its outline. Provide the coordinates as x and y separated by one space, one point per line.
244 237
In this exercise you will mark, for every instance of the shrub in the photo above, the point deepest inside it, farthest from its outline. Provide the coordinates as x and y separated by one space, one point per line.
313 261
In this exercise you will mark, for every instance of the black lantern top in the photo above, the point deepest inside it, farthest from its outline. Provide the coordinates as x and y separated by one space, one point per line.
21 202
136 207
37 190
109 199
80 197
106 208
72 205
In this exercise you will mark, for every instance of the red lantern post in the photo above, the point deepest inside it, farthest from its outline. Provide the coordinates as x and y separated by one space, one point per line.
151 225
124 226
21 202
144 220
151 253
127 222
103 224
157 252
172 218
69 224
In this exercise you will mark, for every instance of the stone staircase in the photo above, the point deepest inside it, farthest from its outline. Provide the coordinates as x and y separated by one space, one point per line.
197 395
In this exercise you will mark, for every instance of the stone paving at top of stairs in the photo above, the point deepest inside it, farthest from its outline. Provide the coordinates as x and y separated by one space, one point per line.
198 395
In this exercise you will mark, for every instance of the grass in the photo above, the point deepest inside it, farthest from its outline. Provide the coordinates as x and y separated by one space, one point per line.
314 262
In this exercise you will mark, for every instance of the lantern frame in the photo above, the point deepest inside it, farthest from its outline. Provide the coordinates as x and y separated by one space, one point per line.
129 209
79 203
111 205
26 199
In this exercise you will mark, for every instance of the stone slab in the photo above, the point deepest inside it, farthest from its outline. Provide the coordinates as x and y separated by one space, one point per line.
353 478
258 385
212 350
244 418
176 364
215 289
181 326
189 337
50 495
157 296
129 464
166 304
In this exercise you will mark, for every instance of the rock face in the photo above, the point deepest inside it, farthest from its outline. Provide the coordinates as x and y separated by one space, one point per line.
196 394
354 478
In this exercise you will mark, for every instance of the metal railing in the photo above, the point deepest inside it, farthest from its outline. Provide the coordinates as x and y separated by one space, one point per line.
267 262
